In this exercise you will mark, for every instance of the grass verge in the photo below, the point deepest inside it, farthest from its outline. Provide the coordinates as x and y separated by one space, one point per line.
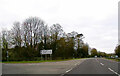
118 60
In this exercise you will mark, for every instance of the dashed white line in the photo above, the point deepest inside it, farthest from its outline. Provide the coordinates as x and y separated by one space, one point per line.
76 64
68 70
97 60
102 64
113 71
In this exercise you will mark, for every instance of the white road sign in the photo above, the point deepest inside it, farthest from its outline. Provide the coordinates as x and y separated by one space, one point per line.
46 51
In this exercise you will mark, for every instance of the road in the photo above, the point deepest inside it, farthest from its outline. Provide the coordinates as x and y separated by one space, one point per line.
40 68
95 67
81 67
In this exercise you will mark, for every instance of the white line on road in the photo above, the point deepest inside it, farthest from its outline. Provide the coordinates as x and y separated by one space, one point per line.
114 71
102 64
97 60
77 64
68 70
71 68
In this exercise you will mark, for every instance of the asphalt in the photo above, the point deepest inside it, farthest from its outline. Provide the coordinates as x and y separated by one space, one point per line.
81 67
40 68
95 67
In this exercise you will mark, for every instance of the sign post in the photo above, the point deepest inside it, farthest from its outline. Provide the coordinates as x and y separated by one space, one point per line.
45 52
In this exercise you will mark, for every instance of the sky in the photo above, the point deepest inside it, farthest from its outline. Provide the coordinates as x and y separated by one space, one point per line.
97 20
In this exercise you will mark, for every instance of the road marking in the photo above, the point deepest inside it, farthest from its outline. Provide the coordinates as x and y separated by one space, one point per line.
72 68
97 60
102 64
68 70
76 64
114 71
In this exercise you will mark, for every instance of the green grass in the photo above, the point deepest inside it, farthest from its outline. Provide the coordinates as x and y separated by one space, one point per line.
39 61
113 59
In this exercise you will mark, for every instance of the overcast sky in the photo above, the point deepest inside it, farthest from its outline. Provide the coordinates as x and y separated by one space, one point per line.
96 19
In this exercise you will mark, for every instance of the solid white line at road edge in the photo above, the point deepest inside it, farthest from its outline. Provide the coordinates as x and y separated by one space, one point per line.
114 71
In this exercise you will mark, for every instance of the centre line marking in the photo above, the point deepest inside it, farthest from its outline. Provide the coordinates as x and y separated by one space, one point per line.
68 70
101 63
114 71
76 64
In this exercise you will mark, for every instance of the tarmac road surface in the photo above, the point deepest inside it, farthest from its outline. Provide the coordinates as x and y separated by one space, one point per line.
80 67
95 67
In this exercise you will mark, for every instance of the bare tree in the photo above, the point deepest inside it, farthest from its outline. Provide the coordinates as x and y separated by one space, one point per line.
4 39
56 31
32 30
46 36
16 34
0 41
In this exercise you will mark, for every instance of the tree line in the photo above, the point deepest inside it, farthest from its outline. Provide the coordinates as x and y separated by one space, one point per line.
117 50
25 40
96 53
